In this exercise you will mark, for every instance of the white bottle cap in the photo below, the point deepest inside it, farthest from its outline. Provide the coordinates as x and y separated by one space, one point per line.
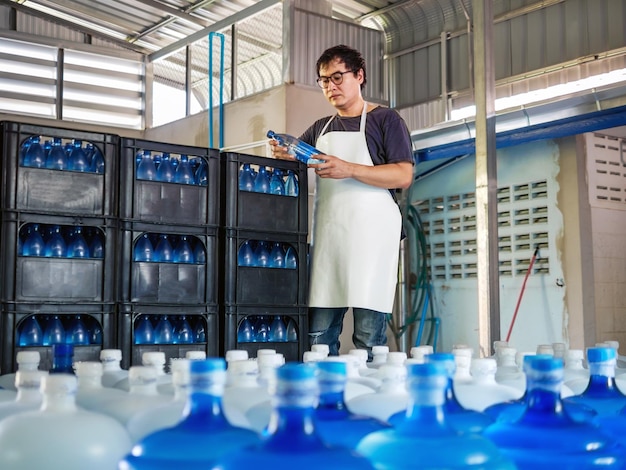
88 369
463 352
111 355
360 353
59 384
483 367
141 375
545 349
508 352
559 349
574 355
28 357
396 357
261 352
247 367
236 355
180 371
29 378
321 348
153 358
380 350
312 356
612 343
270 360
418 352
195 355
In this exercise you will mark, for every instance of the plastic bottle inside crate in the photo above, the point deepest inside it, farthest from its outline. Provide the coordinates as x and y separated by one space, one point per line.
112 371
202 435
425 435
30 333
245 254
291 184
146 169
33 244
54 331
96 244
166 172
277 256
78 159
262 181
182 251
77 246
97 164
291 435
34 153
163 252
262 254
56 159
292 331
184 173
182 334
26 361
277 185
262 327
55 246
144 251
28 396
545 435
278 330
144 330
199 331
199 254
246 332
163 331
60 434
77 333
246 178
201 175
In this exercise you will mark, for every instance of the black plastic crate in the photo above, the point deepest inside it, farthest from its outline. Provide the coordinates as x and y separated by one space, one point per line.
168 282
40 278
233 317
168 203
250 285
58 191
262 211
14 316
130 314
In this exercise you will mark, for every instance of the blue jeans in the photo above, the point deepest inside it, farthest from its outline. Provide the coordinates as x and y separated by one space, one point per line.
326 324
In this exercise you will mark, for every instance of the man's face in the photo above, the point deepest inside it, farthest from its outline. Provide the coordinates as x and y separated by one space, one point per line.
344 94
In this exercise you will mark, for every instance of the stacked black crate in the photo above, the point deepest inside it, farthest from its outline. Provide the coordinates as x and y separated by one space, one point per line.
264 299
168 274
58 240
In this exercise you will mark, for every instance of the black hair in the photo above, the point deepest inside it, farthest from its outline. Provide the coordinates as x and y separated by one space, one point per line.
352 58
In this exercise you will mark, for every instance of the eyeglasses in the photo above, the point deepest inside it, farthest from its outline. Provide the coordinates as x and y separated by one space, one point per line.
336 78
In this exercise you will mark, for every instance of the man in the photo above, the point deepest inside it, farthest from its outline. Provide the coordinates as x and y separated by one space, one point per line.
356 221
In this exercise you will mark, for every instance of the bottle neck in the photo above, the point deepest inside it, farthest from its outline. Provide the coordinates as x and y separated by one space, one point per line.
451 402
543 393
605 370
426 408
59 403
111 366
90 383
331 395
203 410
28 395
28 366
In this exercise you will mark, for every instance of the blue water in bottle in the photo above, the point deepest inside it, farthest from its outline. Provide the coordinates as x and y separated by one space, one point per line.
62 359
545 436
201 174
262 327
96 164
77 332
146 169
262 254
335 424
184 173
30 332
292 440
277 185
54 331
277 256
78 160
291 258
77 247
183 333
96 246
278 330
291 185
262 181
246 332
198 252
95 333
292 331
425 438
55 245
182 252
34 155
299 149
33 245
199 331
166 172
202 436
56 158
245 255
144 331
163 332
143 249
601 394
163 252
246 178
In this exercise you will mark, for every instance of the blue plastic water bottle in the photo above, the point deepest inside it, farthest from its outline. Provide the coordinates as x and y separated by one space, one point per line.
97 159
245 255
95 333
277 185
96 247
184 174
277 256
246 178
292 440
545 436
183 333
34 155
291 258
199 254
77 247
30 332
262 181
163 252
144 331
33 245
163 332
165 172
246 332
62 358
425 435
143 249
201 174
299 149
292 331
78 159
199 331
55 245
262 328
335 424
146 169
601 394
56 158
182 252
278 330
202 436
54 331
77 332
291 185
262 254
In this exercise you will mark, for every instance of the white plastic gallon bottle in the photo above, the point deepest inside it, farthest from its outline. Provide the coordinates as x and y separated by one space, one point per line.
28 396
26 360
91 393
112 371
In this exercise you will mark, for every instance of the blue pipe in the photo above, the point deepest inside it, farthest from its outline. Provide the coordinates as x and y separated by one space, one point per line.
221 100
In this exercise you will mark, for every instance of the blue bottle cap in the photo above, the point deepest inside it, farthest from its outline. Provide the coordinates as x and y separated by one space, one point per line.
545 363
600 354
296 371
62 349
428 369
207 365
332 367
439 357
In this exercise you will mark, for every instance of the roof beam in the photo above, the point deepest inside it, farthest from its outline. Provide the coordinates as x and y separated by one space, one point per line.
174 12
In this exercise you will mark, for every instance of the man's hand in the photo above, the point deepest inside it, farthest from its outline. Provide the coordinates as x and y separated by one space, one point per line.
280 152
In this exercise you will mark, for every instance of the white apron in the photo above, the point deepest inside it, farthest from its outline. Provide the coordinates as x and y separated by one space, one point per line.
356 233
